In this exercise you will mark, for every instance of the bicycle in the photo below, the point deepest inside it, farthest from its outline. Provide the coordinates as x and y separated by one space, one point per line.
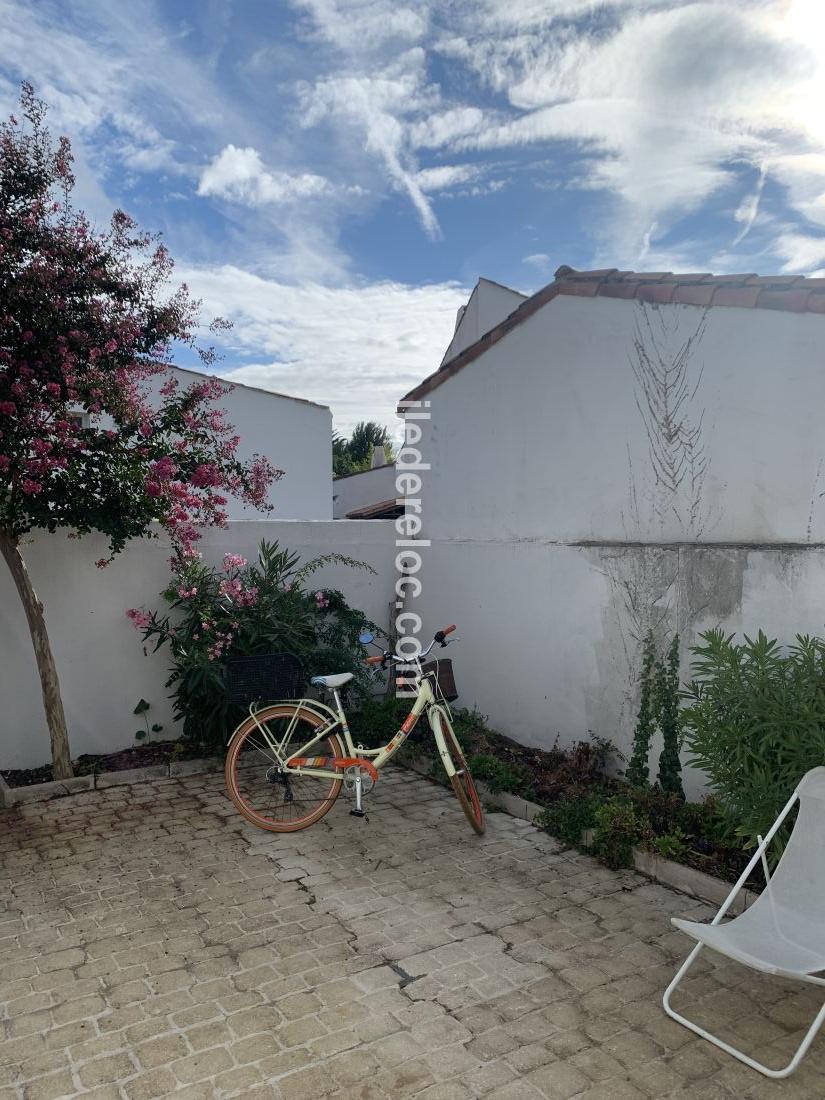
276 785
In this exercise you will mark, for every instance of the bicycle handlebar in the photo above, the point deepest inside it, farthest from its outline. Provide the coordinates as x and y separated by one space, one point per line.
439 636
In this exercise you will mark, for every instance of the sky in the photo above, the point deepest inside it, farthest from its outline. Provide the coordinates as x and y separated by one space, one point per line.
333 176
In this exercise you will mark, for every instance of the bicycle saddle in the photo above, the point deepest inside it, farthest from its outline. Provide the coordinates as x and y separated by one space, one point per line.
336 681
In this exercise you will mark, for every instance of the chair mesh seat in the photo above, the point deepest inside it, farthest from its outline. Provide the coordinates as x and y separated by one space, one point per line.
783 932
758 945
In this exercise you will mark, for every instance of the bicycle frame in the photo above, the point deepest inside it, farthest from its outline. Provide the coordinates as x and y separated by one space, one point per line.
336 720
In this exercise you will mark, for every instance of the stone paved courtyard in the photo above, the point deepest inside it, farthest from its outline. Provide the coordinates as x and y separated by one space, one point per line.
152 943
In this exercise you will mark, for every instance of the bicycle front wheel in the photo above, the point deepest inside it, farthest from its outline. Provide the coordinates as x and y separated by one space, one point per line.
263 792
462 781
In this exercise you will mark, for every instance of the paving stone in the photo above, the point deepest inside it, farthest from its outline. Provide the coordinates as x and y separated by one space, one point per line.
49 1087
152 943
158 1082
103 1070
162 1051
559 1080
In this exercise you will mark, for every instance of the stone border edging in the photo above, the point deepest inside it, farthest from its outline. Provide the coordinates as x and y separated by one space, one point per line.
687 880
42 792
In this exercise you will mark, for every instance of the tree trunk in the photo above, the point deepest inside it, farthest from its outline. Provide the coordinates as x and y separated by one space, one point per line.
49 683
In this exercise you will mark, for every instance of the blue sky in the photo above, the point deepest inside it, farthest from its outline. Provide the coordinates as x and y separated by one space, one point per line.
334 175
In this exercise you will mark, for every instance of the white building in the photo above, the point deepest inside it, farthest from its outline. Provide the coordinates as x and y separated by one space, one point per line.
369 494
294 434
623 451
488 304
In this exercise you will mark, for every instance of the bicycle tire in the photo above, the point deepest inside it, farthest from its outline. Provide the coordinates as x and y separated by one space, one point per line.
462 782
316 795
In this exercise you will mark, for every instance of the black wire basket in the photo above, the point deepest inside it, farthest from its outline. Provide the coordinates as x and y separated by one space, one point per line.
263 678
444 678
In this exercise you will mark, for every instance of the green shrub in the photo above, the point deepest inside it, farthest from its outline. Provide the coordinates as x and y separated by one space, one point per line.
755 722
568 818
670 720
673 845
617 829
498 775
658 708
245 609
638 773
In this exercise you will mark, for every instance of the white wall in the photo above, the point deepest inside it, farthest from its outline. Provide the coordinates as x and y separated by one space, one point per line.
555 542
295 435
360 490
540 436
489 304
102 669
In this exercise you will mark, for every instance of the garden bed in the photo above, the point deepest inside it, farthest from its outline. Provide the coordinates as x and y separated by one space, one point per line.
148 755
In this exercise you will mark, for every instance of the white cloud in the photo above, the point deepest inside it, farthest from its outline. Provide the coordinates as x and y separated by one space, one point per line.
803 174
748 208
444 127
539 260
375 105
446 175
362 26
662 99
240 175
357 348
803 254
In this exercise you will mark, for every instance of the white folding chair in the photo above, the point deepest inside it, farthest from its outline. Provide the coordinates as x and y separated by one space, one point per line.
783 931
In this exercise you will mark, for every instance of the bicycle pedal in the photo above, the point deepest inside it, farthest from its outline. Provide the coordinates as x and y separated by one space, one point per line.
359 813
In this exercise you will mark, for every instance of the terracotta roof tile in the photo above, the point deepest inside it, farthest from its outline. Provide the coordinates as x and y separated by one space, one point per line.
695 294
746 297
792 293
617 290
657 292
794 299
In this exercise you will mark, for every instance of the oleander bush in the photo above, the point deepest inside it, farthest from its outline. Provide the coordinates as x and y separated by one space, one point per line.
247 608
755 722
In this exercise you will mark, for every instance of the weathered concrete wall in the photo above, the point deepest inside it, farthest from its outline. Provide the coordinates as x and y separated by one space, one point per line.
103 671
548 648
609 467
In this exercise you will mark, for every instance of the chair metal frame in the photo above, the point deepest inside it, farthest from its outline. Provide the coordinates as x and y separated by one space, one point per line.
819 1019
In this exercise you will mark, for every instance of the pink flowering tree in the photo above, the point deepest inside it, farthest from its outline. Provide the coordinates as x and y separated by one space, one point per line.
87 324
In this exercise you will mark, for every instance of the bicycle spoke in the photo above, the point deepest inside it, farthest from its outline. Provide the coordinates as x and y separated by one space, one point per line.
262 789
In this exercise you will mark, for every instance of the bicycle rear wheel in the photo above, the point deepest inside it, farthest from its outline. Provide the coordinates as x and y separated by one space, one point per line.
265 794
462 781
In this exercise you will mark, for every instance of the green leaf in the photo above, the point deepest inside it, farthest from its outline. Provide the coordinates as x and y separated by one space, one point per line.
141 708
140 734
156 727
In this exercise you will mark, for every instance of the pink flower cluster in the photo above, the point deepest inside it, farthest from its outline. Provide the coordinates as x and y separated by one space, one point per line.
223 640
234 591
233 561
141 619
321 600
